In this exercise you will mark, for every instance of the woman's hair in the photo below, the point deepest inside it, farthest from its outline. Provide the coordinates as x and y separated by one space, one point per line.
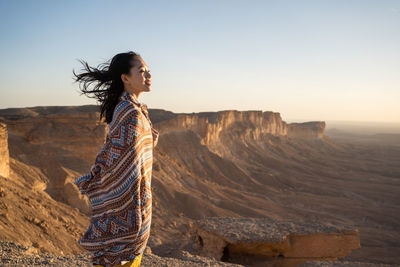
107 77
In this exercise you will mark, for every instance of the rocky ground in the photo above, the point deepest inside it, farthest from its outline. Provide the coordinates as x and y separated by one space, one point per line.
13 255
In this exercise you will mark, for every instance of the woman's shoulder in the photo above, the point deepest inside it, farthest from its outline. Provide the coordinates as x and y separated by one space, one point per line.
125 106
124 110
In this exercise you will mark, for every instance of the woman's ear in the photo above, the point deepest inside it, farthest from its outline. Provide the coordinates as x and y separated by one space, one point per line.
124 78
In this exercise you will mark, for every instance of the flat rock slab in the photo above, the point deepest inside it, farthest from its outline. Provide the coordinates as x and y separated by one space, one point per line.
251 240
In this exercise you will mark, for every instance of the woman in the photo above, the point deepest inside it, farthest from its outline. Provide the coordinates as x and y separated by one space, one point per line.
119 182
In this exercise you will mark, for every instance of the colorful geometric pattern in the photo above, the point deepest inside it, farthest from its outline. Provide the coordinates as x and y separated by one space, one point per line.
119 186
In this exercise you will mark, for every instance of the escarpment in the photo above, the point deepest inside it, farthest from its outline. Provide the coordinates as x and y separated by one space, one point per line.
251 125
242 164
4 154
209 125
308 130
69 130
226 132
65 141
60 141
219 130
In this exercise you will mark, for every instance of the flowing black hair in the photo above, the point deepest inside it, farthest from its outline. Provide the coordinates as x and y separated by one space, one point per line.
107 77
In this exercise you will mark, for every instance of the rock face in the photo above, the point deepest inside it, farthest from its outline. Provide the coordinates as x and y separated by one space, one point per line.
220 130
265 240
307 130
64 140
57 134
62 143
248 124
4 154
69 130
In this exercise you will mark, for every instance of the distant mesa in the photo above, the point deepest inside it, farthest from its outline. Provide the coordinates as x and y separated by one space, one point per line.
308 130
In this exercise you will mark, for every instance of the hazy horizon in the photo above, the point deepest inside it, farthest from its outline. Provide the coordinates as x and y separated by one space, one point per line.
309 60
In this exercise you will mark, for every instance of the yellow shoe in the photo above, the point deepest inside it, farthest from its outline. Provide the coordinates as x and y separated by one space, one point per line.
134 263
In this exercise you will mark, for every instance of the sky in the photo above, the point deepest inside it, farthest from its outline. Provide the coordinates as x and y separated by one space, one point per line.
308 60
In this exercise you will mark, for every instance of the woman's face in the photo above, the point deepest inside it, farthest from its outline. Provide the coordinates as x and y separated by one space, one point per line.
139 78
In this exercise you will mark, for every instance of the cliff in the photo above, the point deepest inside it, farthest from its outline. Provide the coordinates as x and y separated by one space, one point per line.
65 141
248 164
61 142
221 131
308 130
4 154
250 125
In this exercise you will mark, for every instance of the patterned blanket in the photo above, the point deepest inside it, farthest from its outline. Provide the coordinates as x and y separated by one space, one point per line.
119 186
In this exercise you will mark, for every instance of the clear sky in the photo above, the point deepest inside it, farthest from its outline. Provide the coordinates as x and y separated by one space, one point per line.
307 60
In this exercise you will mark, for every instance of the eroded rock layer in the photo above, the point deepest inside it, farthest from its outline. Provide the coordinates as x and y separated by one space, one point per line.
4 154
247 240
